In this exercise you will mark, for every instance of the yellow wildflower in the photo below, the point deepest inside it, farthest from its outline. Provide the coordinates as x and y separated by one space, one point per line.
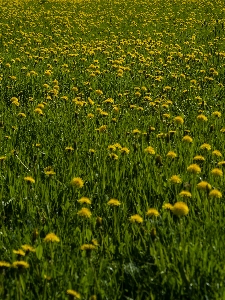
69 148
88 247
77 182
51 237
4 264
84 200
167 206
175 179
204 185
73 293
215 194
114 202
102 128
217 153
136 131
39 111
217 172
180 209
185 194
187 139
84 212
125 150
199 158
217 114
152 212
27 248
194 168
202 118
179 120
136 219
205 146
29 179
171 154
150 150
20 264
19 252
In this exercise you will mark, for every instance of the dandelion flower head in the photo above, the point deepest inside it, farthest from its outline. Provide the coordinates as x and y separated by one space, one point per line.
152 212
180 209
84 212
51 237
77 182
175 179
136 219
114 202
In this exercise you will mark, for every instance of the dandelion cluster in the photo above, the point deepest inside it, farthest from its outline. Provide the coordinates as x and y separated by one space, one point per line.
112 148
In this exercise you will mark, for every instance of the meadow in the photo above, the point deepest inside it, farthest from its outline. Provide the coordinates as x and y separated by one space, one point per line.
112 145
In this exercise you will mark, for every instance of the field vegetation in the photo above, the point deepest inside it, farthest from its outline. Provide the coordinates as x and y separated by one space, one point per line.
112 145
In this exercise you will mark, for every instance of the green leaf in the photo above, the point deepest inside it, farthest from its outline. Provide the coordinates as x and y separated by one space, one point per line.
39 251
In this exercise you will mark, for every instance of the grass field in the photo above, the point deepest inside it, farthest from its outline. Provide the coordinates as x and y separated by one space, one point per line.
112 145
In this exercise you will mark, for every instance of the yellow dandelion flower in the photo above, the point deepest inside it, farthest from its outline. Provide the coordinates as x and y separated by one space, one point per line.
99 92
167 206
136 131
217 114
180 209
27 248
20 264
114 202
221 163
77 182
136 219
39 111
199 158
19 252
202 117
73 293
194 168
117 145
217 172
2 158
23 115
125 150
51 237
217 153
111 147
185 194
49 173
205 146
92 151
84 200
187 139
29 179
150 150
179 120
90 115
88 247
69 149
113 156
204 185
215 194
171 154
84 212
102 128
152 212
95 242
175 179
222 130
4 264
166 116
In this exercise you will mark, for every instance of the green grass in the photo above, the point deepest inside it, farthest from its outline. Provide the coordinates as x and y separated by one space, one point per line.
156 60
